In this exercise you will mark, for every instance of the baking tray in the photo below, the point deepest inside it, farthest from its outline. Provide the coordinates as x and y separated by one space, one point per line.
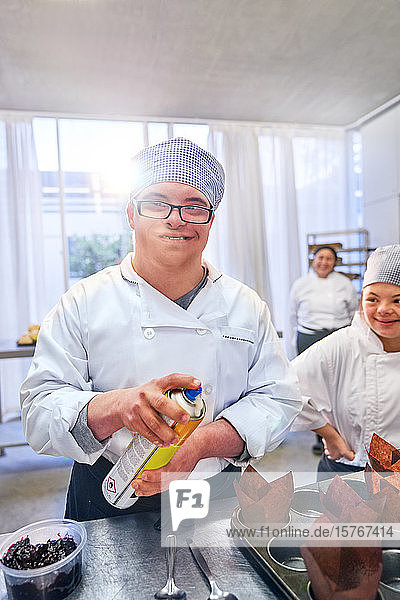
292 582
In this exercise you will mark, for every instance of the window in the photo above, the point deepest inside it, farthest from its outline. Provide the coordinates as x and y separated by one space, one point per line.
196 133
83 200
85 173
157 132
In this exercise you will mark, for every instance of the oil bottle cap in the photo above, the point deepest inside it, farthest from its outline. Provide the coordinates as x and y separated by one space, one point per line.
192 394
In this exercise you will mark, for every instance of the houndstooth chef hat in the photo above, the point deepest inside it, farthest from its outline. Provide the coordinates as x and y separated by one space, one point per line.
383 266
179 160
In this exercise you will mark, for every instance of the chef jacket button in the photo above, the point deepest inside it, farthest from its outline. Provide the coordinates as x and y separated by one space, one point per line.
208 388
149 333
201 331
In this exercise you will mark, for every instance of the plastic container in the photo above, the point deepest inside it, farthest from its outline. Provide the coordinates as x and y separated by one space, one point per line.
52 582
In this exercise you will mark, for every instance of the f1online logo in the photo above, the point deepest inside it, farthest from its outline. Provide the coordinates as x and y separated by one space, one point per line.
189 499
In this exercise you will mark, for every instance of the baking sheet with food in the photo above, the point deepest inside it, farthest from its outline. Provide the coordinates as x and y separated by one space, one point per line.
286 566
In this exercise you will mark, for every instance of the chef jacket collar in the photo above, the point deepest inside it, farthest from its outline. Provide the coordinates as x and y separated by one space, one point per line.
130 274
369 337
159 311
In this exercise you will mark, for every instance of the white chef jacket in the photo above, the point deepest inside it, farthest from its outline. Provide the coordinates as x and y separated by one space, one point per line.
349 381
113 330
322 302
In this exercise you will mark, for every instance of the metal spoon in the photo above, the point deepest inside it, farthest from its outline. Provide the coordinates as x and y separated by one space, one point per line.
216 592
170 590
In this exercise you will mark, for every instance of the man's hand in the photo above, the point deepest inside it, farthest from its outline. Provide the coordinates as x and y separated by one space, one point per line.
139 408
214 439
334 445
157 480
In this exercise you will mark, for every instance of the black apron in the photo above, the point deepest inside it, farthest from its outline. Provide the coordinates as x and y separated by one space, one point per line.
328 468
305 340
85 500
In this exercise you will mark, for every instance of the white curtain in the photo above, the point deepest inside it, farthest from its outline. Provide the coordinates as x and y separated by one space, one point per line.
237 242
282 183
21 246
320 173
281 222
304 175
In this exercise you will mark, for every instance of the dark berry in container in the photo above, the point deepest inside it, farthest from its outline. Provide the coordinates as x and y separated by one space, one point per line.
44 560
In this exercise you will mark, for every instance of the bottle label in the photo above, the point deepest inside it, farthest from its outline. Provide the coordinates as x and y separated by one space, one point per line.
141 455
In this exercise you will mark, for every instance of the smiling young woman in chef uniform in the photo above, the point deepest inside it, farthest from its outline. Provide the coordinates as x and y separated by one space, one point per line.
164 318
351 379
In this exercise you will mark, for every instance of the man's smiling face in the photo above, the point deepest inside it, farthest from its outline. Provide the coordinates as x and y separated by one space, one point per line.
163 239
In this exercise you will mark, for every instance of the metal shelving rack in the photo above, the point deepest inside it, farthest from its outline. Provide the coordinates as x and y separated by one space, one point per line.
352 247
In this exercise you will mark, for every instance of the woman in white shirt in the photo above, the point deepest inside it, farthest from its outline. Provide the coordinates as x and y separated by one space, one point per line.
322 301
351 378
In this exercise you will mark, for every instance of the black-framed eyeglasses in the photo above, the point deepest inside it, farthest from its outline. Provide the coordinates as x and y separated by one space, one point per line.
157 209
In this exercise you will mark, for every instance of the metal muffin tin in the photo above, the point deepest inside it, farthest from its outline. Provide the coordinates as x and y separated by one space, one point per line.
285 565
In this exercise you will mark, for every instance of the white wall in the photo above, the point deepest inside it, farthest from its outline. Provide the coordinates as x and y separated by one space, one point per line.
381 177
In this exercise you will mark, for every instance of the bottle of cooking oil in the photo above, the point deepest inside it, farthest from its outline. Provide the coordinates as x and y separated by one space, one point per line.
142 455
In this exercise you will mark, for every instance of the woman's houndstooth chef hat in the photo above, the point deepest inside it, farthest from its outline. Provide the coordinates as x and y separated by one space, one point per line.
383 266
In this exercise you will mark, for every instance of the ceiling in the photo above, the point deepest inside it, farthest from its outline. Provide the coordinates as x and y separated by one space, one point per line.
303 61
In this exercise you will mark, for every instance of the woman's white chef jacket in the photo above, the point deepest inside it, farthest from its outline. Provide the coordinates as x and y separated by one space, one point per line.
350 382
113 330
322 302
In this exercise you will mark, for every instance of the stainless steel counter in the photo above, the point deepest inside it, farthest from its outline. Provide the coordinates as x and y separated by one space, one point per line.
125 561
10 349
